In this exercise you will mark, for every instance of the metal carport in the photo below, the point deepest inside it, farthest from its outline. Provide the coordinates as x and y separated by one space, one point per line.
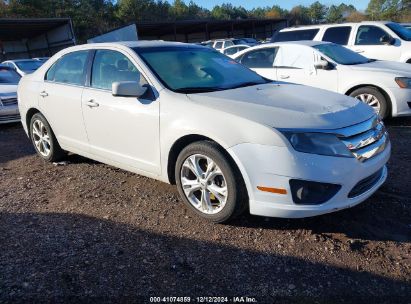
34 37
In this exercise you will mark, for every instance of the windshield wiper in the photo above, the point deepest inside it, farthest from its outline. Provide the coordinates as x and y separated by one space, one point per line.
247 84
189 90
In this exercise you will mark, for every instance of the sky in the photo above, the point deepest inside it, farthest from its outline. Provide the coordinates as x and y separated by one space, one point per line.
288 4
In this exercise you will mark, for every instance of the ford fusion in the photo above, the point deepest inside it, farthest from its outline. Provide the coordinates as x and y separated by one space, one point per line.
187 115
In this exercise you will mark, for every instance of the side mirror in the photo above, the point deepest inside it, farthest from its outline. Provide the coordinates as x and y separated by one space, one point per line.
387 40
322 65
128 89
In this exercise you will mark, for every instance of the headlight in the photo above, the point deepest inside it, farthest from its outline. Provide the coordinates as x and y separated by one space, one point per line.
403 82
318 143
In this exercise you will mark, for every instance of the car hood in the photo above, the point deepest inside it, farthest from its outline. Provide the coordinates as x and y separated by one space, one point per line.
398 68
8 89
285 105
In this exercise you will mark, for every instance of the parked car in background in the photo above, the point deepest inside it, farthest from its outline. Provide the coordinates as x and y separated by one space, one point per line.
232 50
373 39
221 44
250 41
41 58
9 79
384 85
24 66
406 25
229 138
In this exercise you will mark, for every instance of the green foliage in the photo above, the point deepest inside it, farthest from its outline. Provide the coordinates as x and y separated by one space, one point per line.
93 17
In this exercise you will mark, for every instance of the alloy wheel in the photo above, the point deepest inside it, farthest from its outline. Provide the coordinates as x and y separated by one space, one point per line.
204 184
371 100
41 138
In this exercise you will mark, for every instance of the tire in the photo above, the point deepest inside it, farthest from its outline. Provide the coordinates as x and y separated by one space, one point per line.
40 131
218 210
363 93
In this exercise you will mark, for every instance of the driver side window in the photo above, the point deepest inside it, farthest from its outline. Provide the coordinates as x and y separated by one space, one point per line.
112 66
370 35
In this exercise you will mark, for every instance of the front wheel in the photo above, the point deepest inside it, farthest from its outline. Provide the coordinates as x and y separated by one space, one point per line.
374 98
209 183
44 140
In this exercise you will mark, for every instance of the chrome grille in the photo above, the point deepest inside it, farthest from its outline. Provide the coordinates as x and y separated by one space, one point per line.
365 140
8 101
6 118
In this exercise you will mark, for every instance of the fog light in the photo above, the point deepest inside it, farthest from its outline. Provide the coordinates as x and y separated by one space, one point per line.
312 193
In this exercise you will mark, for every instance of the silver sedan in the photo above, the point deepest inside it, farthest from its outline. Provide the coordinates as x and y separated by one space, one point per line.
8 95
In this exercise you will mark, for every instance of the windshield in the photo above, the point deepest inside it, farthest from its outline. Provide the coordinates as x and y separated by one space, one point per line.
196 70
8 76
239 41
340 54
401 31
29 65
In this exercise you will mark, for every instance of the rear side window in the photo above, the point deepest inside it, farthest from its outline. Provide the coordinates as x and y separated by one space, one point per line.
338 34
295 35
263 58
219 45
369 35
70 69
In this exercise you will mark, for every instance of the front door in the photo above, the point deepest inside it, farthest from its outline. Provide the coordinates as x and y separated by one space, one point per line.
368 43
124 130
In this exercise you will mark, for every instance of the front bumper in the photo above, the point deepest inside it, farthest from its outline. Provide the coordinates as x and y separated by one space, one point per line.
9 114
401 99
268 166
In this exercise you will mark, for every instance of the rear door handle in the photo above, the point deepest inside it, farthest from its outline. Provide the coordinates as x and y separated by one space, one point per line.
92 104
359 51
44 94
284 76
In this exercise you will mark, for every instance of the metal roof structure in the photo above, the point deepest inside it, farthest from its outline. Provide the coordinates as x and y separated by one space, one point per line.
16 29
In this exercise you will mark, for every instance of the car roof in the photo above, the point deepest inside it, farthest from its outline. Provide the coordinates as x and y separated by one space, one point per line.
5 67
309 43
20 60
136 44
315 26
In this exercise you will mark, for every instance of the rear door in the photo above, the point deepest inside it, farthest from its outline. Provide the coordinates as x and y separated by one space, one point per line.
124 130
261 61
367 42
60 99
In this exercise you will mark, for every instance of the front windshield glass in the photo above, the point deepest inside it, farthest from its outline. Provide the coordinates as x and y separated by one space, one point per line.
29 65
340 54
8 76
195 70
401 31
239 41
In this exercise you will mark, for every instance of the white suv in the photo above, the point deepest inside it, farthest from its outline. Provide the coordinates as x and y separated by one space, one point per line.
373 39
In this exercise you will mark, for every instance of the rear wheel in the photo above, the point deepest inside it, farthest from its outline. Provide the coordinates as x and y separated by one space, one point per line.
209 183
374 98
44 140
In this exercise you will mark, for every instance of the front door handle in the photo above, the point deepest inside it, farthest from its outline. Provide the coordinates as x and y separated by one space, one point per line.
92 104
284 76
44 94
359 51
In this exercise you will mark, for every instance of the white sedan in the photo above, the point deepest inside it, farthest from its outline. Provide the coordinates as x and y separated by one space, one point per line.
384 85
189 115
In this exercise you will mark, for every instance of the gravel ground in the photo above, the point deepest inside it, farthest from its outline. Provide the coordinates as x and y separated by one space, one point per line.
85 231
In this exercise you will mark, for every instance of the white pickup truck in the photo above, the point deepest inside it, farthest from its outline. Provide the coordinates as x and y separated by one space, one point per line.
382 40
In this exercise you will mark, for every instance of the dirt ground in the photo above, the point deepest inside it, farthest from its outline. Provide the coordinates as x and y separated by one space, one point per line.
89 232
